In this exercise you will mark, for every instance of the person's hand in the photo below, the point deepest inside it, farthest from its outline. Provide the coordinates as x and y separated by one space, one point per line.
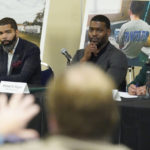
141 90
27 134
132 89
15 114
90 48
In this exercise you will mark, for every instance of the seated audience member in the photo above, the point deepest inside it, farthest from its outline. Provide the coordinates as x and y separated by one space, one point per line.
138 85
134 34
82 115
102 53
14 116
19 59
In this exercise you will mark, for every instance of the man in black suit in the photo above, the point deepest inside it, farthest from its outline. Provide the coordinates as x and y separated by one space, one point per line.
19 59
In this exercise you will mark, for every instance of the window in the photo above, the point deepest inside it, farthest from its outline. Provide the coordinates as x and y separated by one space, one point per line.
104 6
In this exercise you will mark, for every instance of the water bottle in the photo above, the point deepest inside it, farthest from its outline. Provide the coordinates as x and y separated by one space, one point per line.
148 83
116 33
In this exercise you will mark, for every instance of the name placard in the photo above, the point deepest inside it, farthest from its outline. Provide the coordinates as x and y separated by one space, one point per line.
13 87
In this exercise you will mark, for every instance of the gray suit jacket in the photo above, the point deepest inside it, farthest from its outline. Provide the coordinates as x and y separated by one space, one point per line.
112 61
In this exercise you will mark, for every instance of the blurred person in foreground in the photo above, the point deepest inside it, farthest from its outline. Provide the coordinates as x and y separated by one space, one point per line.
82 115
102 53
14 116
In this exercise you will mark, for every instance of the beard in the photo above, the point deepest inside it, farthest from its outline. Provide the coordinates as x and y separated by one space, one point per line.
10 44
99 42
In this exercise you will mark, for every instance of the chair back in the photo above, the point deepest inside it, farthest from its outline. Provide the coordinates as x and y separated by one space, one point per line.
46 73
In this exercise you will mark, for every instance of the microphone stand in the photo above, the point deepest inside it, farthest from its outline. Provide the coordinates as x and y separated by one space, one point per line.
69 62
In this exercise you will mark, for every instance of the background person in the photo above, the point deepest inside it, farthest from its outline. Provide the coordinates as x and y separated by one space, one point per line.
134 34
138 85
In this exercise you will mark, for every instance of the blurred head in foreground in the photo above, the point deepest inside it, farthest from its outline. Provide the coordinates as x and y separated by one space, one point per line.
80 103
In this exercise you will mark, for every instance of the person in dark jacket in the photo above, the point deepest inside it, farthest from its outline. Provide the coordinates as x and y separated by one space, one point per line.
19 59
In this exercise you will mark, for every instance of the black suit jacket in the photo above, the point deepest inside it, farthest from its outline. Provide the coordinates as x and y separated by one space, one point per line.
112 61
25 65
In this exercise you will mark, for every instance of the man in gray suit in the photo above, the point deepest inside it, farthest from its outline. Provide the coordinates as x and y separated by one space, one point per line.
100 51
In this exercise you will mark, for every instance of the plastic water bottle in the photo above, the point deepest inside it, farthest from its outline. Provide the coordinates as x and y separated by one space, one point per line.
148 83
116 33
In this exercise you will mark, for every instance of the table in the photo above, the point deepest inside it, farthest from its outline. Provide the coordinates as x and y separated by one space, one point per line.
39 122
134 129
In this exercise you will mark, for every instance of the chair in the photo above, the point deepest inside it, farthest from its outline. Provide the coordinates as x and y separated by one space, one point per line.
46 73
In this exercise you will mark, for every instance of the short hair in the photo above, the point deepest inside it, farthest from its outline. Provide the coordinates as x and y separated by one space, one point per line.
7 20
81 100
102 18
137 7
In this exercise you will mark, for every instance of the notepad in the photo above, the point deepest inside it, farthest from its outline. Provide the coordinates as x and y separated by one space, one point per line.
117 95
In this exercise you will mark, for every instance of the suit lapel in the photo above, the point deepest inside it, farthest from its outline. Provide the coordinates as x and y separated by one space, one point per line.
104 56
15 59
16 55
5 61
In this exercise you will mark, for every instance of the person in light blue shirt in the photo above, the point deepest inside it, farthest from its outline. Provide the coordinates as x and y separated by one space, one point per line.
134 34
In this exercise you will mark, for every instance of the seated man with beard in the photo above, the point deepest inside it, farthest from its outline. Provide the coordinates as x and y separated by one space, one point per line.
102 53
19 59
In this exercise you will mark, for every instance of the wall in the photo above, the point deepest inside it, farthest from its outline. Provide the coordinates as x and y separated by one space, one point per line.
63 31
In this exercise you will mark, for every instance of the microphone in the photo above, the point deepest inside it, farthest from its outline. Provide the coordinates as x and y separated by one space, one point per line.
66 54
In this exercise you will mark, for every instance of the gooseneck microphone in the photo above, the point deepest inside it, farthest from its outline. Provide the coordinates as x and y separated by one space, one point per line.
67 55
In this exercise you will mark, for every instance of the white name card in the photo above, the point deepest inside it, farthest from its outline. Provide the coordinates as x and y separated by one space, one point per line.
13 87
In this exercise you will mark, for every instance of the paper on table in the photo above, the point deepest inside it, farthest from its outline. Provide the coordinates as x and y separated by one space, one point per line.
126 95
117 95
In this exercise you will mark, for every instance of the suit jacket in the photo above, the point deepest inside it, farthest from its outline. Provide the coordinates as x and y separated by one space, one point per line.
25 65
112 61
